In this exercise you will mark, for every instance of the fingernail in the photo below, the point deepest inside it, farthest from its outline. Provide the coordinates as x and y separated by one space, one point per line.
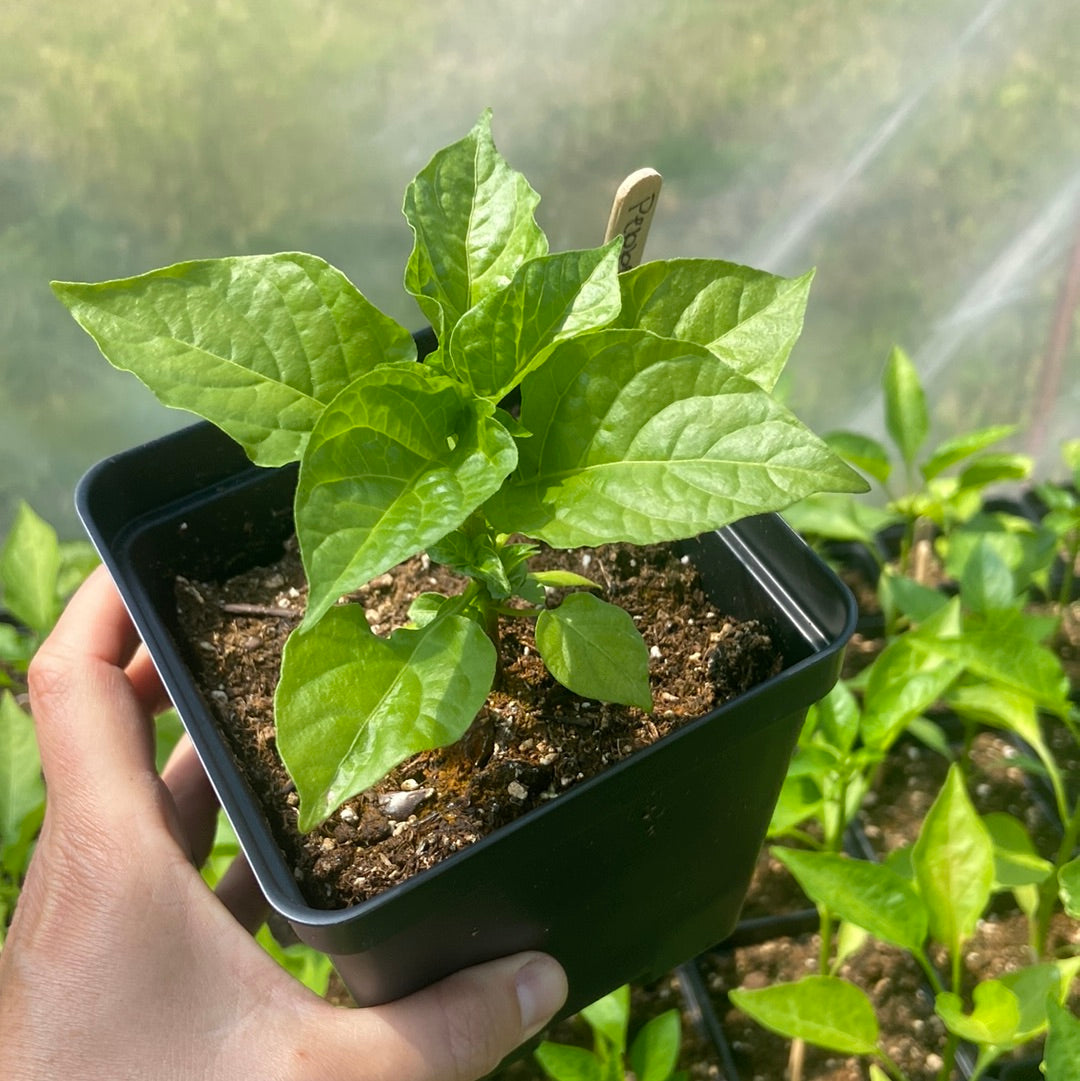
541 990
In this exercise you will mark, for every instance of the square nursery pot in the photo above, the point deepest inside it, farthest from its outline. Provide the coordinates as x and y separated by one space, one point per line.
622 877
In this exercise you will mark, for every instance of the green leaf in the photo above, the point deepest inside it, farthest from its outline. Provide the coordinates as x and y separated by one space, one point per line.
29 569
1016 863
992 1022
476 556
550 298
906 418
954 864
257 344
610 1017
914 600
1034 986
645 439
396 461
838 717
22 790
987 583
1069 887
593 649
655 1049
867 894
906 678
562 580
833 517
746 317
350 705
472 220
563 1062
823 1010
995 469
862 452
962 446
1061 1058
1000 649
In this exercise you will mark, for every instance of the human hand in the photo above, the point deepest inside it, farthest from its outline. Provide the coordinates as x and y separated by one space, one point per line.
122 963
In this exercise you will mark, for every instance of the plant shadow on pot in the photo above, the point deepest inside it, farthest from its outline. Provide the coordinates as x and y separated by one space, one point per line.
621 878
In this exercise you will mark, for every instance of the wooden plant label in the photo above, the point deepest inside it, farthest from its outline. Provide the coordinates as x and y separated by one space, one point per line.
632 214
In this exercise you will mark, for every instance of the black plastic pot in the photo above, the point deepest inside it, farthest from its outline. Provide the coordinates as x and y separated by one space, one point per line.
621 878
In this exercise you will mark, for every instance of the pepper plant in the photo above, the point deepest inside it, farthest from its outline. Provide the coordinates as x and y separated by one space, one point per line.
645 416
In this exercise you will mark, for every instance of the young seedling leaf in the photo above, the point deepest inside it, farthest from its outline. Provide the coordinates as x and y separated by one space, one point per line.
906 418
987 584
29 570
350 705
563 580
1069 887
645 439
963 446
550 298
1016 863
21 788
593 649
907 677
864 453
564 1062
993 1021
472 220
823 1010
610 1017
869 895
746 317
398 458
257 344
655 1049
1061 1058
954 864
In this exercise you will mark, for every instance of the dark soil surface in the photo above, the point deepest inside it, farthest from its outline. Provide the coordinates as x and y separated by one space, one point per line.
533 740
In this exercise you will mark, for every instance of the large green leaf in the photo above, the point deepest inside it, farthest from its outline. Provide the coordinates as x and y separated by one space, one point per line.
644 439
550 298
870 895
823 1010
906 418
21 788
748 318
954 864
472 219
593 648
257 344
351 705
401 457
29 569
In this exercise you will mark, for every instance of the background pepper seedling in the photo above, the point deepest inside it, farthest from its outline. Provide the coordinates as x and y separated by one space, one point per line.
645 416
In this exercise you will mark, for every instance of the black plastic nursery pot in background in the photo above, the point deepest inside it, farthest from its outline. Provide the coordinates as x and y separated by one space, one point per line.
623 876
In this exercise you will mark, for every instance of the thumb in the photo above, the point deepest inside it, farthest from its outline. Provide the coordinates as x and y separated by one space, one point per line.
458 1029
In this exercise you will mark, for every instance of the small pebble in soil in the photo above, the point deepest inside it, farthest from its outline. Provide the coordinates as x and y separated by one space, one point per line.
399 806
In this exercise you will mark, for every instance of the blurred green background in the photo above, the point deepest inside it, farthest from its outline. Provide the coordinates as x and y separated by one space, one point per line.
924 155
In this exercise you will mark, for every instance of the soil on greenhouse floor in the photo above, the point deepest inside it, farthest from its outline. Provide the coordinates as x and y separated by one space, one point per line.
533 740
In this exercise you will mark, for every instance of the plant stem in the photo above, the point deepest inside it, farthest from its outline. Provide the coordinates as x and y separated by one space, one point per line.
826 940
949 1058
1048 891
891 1068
